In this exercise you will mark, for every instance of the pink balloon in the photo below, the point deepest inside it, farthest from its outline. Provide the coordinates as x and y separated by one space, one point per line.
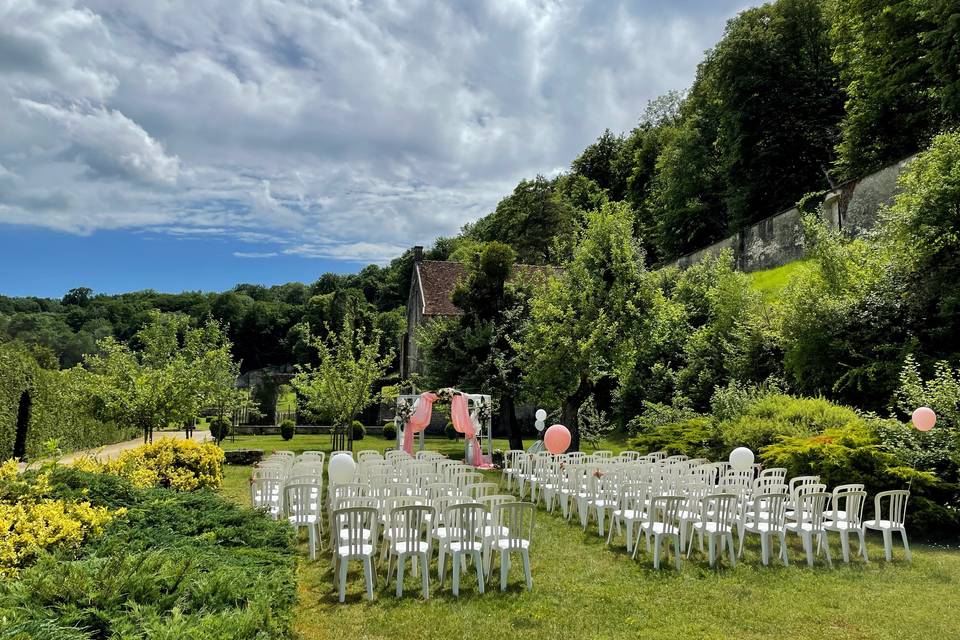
924 418
556 439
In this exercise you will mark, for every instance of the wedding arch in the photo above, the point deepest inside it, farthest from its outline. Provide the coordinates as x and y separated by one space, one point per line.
469 412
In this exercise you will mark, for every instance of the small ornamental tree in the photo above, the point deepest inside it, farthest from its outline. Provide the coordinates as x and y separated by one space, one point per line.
341 384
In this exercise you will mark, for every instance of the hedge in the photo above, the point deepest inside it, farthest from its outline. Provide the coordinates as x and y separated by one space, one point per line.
57 407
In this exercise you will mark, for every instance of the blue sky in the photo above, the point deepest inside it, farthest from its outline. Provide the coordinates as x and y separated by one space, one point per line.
183 146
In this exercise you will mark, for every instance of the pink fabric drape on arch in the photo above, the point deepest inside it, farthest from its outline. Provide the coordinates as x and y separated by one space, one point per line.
419 420
463 423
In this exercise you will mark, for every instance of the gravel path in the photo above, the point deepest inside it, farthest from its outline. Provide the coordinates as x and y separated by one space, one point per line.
110 451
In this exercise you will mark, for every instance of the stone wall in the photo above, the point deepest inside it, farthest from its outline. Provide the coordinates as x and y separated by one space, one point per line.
775 241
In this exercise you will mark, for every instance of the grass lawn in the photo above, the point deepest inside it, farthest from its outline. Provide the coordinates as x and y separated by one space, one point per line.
584 589
771 282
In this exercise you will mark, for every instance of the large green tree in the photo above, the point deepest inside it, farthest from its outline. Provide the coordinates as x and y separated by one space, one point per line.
477 350
583 320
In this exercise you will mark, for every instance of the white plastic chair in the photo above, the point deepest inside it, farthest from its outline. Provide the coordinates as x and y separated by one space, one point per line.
357 540
407 531
303 509
663 523
809 522
718 514
845 517
464 540
766 518
513 533
896 513
266 493
630 509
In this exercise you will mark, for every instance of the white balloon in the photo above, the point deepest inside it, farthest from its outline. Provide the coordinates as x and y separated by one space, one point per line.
342 467
541 415
540 425
741 459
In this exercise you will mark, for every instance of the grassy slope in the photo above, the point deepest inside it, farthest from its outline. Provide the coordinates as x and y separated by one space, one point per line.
771 282
583 589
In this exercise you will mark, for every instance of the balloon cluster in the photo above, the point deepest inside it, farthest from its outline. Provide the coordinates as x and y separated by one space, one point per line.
541 418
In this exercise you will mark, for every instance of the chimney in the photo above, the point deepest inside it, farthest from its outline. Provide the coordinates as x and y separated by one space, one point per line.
418 254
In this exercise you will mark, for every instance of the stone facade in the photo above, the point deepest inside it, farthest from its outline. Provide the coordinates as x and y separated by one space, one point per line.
775 241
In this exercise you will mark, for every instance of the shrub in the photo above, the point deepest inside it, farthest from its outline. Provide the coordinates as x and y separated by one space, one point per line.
655 415
359 431
287 429
695 437
178 565
450 432
782 415
389 431
220 428
182 465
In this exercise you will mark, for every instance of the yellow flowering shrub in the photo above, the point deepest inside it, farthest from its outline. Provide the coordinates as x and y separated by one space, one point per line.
9 469
183 465
27 528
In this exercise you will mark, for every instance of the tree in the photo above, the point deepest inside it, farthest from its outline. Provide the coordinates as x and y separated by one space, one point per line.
341 383
605 163
477 349
165 382
898 65
528 220
583 320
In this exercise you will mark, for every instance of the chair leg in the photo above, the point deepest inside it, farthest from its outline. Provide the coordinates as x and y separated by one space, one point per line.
456 574
676 551
526 568
740 554
425 576
733 559
783 549
629 536
343 579
906 545
504 569
863 544
656 551
844 545
826 549
711 543
368 575
312 541
808 547
888 544
440 558
478 561
401 560
764 548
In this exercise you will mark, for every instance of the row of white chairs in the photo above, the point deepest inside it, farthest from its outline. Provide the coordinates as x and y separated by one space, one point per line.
675 498
399 508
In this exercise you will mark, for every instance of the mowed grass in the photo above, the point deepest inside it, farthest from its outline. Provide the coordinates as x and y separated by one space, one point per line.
771 282
585 589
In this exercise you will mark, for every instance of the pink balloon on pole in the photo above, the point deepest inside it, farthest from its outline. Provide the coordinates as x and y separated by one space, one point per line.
924 418
556 439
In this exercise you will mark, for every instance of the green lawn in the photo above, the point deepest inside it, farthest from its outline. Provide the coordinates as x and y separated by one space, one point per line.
771 282
583 589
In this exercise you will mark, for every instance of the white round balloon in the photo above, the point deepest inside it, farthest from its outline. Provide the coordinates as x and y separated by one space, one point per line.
540 425
741 459
342 467
541 415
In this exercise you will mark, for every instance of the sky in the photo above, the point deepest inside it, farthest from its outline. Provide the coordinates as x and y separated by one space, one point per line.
185 145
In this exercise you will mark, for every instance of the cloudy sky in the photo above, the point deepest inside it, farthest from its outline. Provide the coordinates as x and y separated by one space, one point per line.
196 144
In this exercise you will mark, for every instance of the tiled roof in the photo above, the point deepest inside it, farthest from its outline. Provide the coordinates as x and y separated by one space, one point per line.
437 279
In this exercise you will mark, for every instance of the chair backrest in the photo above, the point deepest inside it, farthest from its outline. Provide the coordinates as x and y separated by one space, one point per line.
478 489
441 489
333 453
800 481
491 501
896 511
666 510
303 502
408 523
275 472
316 456
513 522
603 453
811 507
465 522
298 477
629 455
357 527
775 472
368 454
348 490
266 492
719 509
772 508
768 484
849 502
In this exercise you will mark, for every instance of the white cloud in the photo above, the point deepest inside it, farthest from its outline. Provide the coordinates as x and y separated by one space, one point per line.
341 130
255 254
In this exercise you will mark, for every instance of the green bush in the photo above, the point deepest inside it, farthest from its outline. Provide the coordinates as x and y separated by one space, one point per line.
220 428
212 570
287 429
778 415
695 437
359 431
656 415
389 431
450 432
